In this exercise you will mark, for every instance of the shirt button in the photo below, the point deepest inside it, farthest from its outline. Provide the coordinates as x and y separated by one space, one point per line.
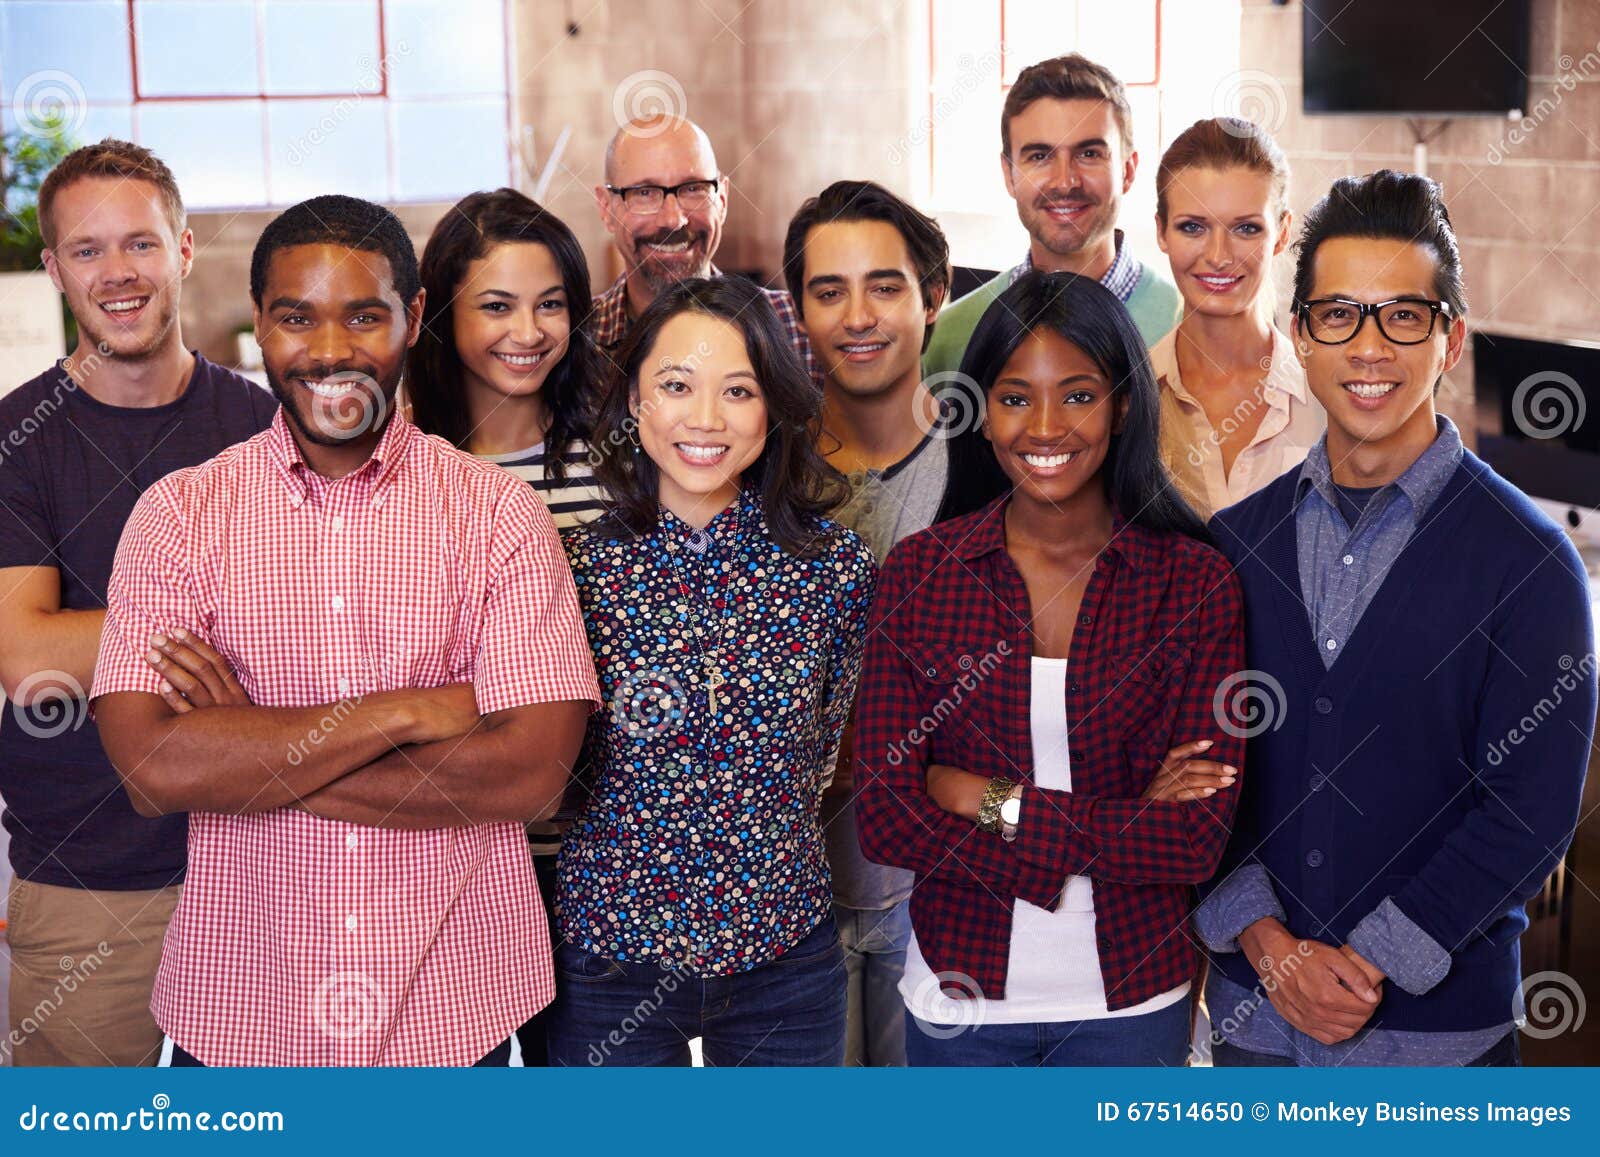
1313 860
1348 559
1332 644
1317 780
1324 705
337 604
350 923
351 841
1072 687
1085 620
377 503
344 686
337 522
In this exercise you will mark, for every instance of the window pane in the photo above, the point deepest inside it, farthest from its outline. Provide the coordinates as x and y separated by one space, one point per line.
214 148
1121 36
88 42
1037 30
445 47
189 48
328 146
330 46
446 150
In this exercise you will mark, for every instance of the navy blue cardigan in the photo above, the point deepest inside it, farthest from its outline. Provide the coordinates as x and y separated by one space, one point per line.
1441 760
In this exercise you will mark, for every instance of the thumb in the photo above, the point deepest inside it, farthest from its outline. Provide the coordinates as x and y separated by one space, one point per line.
1353 978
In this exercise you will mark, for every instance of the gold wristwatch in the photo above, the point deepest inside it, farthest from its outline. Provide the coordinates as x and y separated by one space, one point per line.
1001 797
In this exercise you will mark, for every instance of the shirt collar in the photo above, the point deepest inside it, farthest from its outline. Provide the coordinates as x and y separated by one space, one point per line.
1121 279
609 317
379 469
1130 542
1285 379
740 517
1421 483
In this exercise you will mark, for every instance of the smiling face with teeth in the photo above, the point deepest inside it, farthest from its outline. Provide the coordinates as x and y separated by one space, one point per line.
863 310
702 417
334 333
1222 229
1050 415
511 326
120 263
671 244
1378 394
1068 171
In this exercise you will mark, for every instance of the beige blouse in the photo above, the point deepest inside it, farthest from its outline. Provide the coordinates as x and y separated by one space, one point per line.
1192 448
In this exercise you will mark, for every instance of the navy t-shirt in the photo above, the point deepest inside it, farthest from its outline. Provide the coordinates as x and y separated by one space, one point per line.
71 469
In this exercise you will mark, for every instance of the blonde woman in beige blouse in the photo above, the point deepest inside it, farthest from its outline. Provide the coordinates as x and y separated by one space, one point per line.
1235 410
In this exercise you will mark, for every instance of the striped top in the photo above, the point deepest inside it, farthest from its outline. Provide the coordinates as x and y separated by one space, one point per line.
573 500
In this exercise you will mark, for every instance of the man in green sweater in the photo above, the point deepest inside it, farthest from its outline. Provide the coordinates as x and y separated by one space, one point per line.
1067 159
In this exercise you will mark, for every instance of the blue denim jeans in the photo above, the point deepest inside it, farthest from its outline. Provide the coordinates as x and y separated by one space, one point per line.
1153 1038
789 1011
874 944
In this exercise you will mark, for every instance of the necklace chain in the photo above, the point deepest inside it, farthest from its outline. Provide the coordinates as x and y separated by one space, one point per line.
714 674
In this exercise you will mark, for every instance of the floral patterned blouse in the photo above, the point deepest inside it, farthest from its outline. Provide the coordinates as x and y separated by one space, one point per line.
698 846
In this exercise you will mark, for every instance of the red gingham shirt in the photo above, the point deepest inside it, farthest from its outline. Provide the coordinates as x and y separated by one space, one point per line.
305 941
948 680
609 323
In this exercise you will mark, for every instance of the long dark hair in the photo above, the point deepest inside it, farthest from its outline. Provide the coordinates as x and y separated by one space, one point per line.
434 373
1088 315
796 484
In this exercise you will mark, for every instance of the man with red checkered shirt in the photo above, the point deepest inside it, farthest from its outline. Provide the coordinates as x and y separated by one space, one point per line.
354 655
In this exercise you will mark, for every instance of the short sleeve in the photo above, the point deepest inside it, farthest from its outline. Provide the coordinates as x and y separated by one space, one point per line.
534 649
26 536
151 592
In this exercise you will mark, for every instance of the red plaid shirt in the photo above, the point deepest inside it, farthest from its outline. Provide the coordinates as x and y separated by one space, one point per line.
609 323
948 680
306 941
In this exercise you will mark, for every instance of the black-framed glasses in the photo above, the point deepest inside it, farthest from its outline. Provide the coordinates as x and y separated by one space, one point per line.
1402 320
691 195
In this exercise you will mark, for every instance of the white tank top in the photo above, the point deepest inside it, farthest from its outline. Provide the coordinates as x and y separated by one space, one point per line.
1053 972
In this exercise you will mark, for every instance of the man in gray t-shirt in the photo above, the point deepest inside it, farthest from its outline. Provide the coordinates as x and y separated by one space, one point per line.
868 274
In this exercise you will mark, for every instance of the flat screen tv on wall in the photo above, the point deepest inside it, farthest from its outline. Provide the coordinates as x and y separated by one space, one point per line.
1422 57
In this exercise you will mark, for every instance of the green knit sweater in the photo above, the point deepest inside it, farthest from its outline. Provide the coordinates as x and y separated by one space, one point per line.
1154 305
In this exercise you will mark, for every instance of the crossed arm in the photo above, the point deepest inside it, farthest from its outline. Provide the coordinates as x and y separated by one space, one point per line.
396 759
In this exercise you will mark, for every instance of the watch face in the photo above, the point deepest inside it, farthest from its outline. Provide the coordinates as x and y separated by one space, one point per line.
1011 811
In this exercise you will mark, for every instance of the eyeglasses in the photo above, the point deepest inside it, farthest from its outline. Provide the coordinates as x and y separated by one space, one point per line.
691 195
1403 320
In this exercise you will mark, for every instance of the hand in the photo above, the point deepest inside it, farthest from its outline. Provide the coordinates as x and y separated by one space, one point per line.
958 792
1181 778
1317 988
193 674
439 713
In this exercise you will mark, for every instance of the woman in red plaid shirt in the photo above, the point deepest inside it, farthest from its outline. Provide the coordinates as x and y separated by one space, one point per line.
1035 734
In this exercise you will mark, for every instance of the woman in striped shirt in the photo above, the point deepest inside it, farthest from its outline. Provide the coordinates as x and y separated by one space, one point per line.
504 367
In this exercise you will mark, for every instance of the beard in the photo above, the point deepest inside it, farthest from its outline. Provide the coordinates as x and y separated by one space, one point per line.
661 273
1067 240
360 411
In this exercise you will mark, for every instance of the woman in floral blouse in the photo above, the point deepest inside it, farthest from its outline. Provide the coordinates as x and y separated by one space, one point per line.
727 618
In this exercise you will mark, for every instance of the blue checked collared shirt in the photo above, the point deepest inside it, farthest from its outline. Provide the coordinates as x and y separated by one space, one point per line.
1121 279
